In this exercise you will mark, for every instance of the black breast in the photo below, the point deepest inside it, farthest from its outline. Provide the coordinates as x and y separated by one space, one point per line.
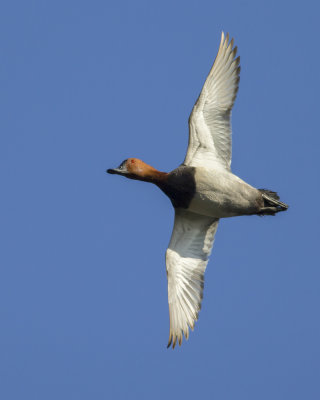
180 186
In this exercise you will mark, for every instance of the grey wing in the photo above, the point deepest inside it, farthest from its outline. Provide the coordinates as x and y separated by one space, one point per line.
186 259
210 119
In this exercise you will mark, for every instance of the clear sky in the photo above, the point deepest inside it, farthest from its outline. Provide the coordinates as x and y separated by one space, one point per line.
83 291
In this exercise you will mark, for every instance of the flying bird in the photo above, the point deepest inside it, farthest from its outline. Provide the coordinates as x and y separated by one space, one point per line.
202 190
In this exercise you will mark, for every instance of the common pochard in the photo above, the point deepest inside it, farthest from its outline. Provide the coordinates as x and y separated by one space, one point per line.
202 190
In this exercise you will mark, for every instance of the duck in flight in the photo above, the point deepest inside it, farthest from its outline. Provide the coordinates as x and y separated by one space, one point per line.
202 190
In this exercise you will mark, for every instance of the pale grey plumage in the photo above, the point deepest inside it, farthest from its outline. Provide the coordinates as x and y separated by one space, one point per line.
186 259
210 119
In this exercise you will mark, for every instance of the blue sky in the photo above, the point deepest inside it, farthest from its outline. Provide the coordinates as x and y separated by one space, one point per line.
83 291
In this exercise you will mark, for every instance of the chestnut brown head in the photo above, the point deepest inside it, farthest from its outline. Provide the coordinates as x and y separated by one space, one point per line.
134 168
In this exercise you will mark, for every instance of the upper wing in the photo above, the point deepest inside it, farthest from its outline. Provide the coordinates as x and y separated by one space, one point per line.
186 259
210 119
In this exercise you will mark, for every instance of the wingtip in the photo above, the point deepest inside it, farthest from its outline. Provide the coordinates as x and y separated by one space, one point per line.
225 39
234 51
186 333
174 342
222 39
170 340
174 339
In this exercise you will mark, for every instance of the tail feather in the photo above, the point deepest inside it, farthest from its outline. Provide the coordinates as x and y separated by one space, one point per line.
271 199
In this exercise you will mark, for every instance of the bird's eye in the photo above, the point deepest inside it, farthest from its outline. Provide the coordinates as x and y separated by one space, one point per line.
122 165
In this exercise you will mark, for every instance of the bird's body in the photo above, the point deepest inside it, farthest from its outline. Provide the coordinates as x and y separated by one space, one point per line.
202 190
214 193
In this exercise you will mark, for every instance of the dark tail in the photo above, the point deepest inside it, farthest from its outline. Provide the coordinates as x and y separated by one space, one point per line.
272 204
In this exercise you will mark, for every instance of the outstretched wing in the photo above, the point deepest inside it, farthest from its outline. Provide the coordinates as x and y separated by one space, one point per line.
210 119
186 258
